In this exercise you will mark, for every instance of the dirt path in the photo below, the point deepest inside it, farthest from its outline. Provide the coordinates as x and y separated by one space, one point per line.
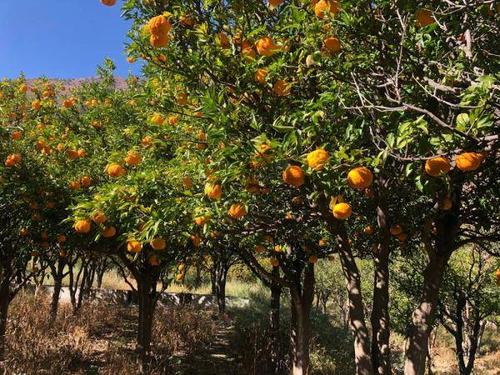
218 358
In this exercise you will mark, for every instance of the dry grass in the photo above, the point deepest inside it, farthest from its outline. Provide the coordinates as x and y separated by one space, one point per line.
100 339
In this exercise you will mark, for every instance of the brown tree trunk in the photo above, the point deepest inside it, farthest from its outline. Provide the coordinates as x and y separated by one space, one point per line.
145 326
300 335
5 299
356 316
220 286
357 321
57 275
423 316
274 325
380 320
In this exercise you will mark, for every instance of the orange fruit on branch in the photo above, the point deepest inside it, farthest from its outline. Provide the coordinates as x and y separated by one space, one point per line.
424 17
109 232
437 166
266 47
158 244
213 191
326 7
317 159
294 175
331 45
83 226
133 158
396 230
342 211
115 170
237 210
108 3
134 246
360 178
469 161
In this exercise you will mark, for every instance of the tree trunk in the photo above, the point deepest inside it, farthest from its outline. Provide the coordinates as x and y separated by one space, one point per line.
300 335
5 299
380 320
380 313
274 325
57 275
213 282
423 316
145 326
356 309
356 317
220 286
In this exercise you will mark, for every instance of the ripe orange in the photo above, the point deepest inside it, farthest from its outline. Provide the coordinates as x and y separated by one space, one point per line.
342 211
317 159
13 160
247 51
360 178
36 105
86 181
157 119
213 191
437 166
469 161
109 232
99 217
369 230
275 3
201 220
331 45
281 88
115 170
132 158
274 262
266 47
158 244
237 211
108 3
424 17
134 246
83 226
16 135
75 185
260 76
396 230
326 7
294 175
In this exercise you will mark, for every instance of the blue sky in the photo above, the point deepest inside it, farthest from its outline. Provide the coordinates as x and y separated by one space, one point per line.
61 38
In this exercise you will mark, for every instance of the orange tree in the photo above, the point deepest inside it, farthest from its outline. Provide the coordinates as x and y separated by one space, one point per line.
328 85
127 192
33 204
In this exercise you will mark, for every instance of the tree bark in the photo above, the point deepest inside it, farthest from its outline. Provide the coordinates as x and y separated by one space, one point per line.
356 316
5 299
300 335
274 325
57 275
221 270
146 311
356 308
380 319
423 316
